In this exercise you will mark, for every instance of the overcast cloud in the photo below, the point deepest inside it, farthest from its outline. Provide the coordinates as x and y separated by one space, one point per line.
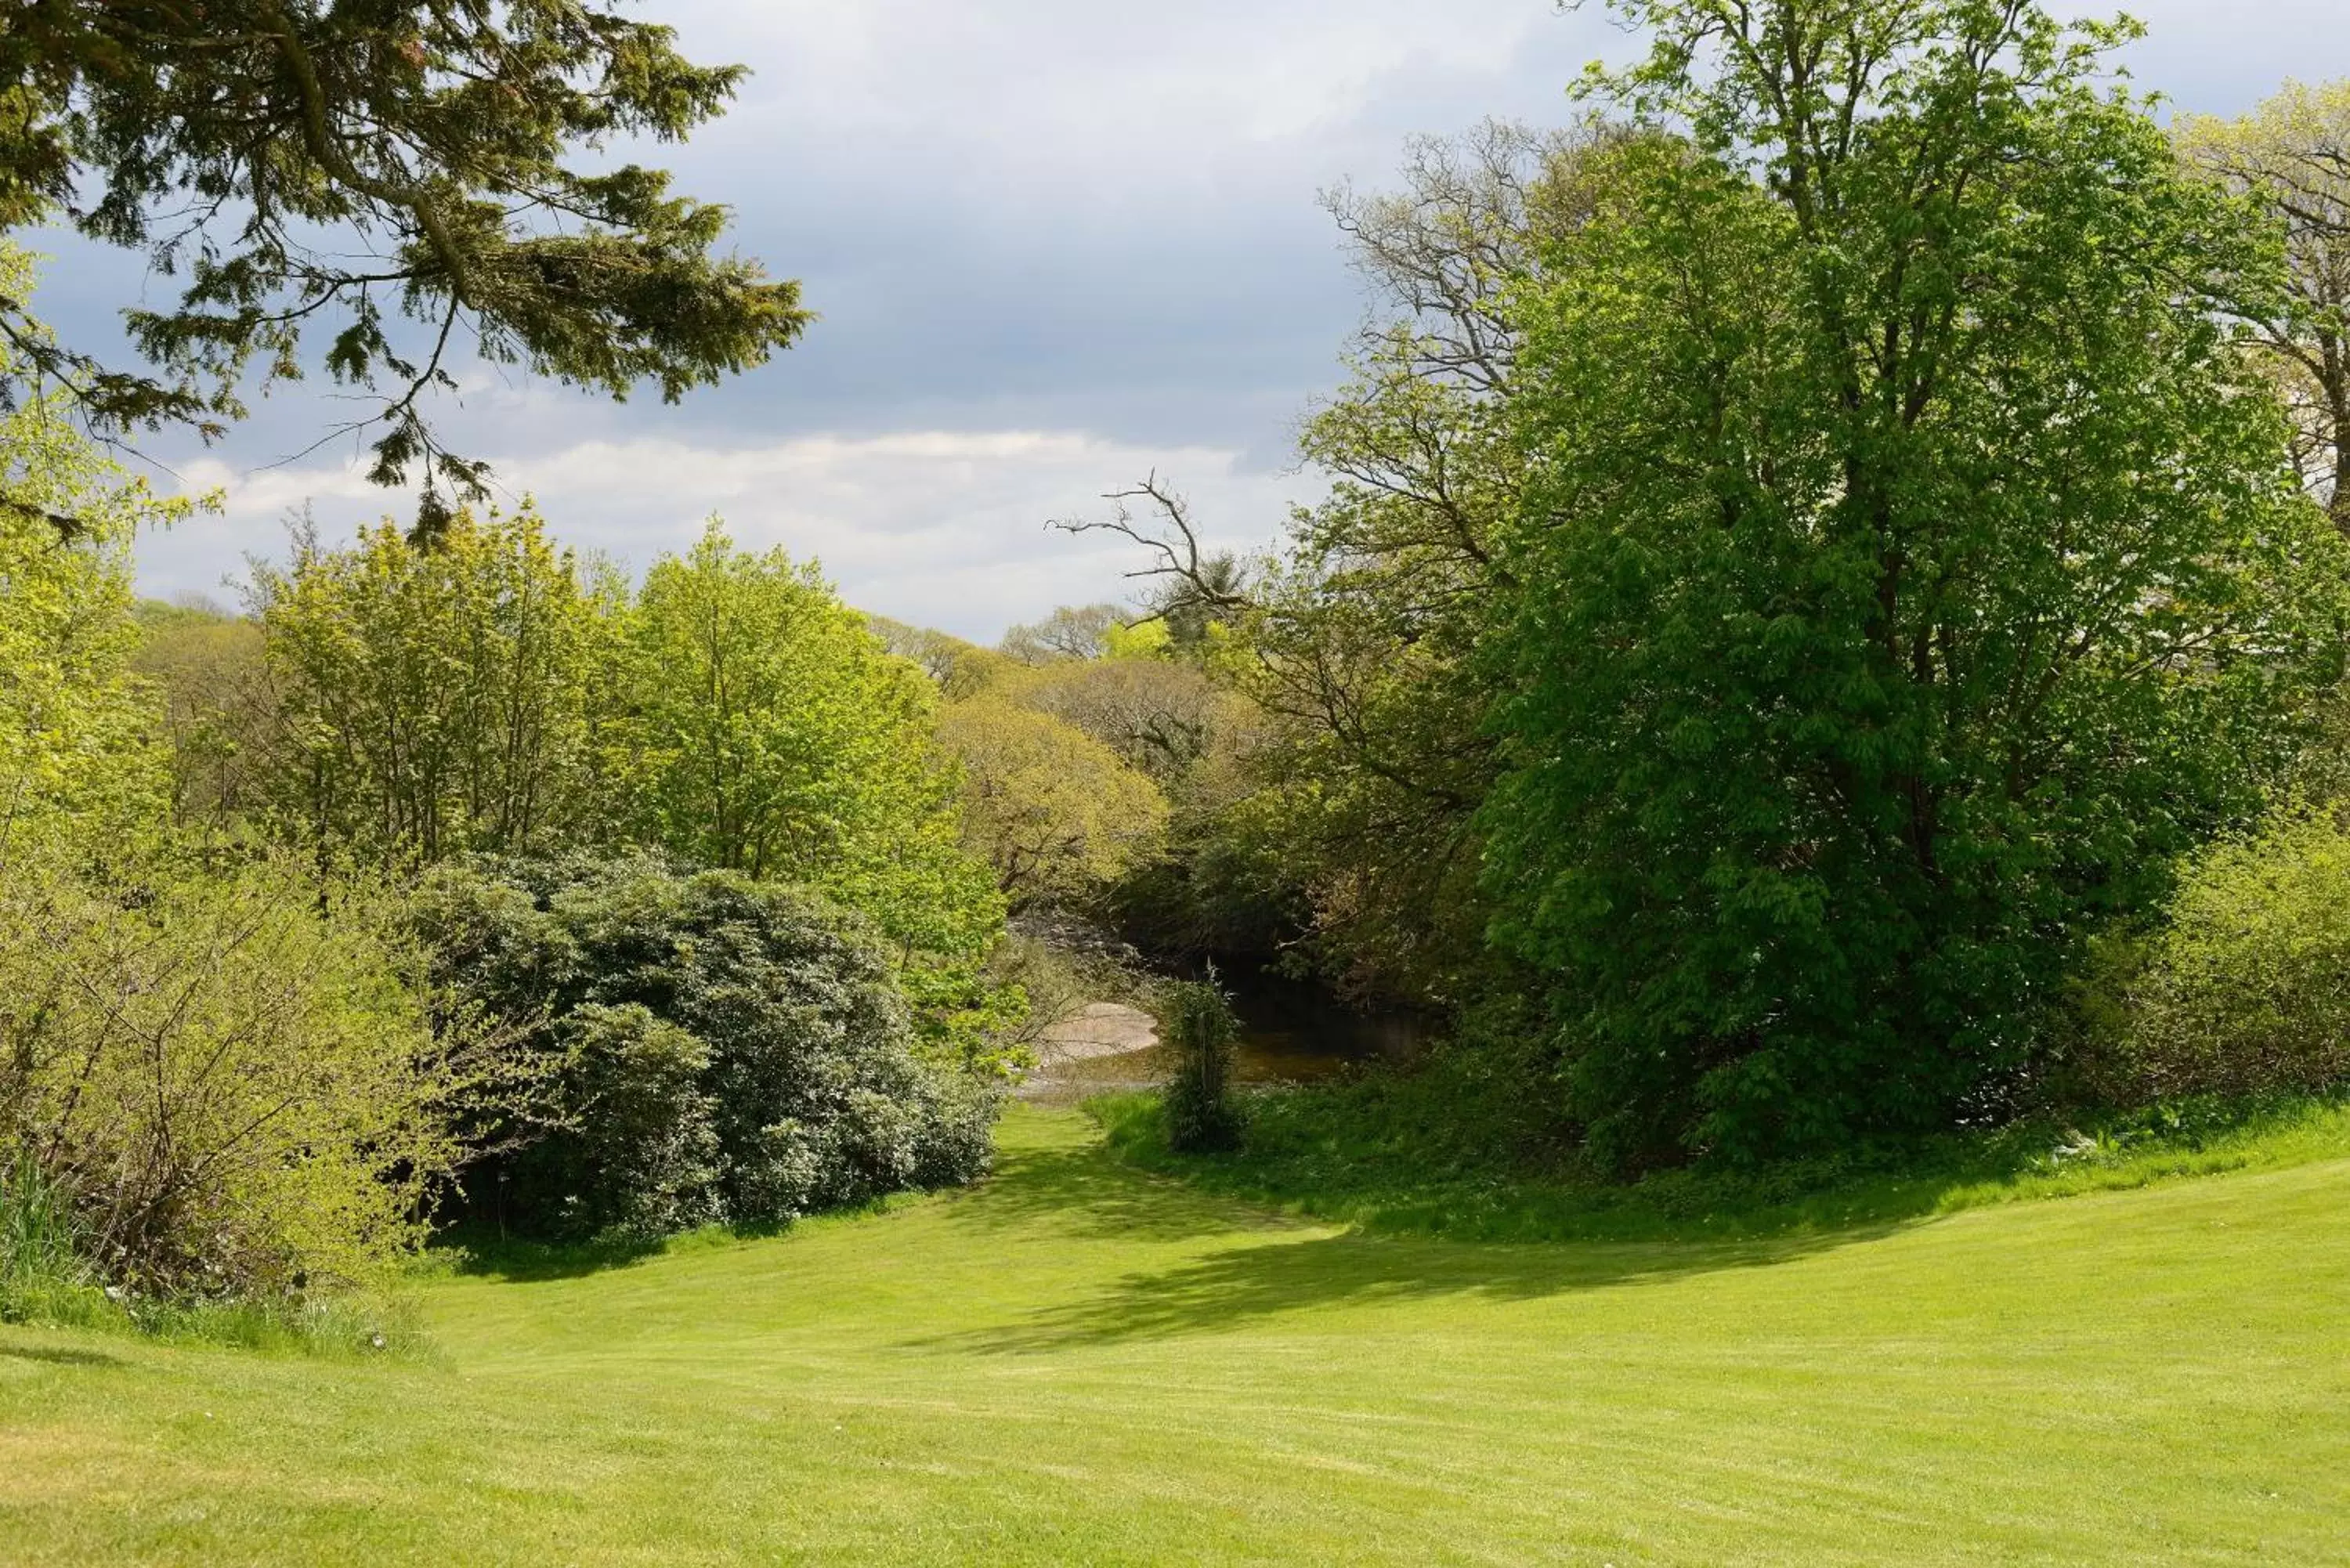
1055 244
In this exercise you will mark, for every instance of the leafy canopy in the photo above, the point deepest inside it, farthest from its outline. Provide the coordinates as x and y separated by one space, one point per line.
767 731
73 730
2292 156
1055 812
1911 565
434 701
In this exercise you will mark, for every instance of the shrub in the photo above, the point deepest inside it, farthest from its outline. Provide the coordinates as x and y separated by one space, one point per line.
2247 988
1196 1022
722 1050
215 1083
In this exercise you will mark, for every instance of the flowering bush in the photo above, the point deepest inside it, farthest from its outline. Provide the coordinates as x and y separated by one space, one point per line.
721 1049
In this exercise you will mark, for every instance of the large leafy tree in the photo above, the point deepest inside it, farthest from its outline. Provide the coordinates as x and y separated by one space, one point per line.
2292 156
342 165
1910 564
769 732
439 700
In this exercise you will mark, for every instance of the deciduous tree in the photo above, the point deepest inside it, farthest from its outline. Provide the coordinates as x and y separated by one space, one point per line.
1072 631
75 739
2292 157
1055 811
435 699
1911 566
771 733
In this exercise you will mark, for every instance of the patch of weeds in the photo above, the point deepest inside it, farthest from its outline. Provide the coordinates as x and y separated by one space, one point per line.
45 1278
352 1325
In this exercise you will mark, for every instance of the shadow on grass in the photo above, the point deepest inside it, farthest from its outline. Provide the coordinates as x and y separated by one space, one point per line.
55 1356
1278 1263
485 1255
1088 1193
1423 1221
1246 1284
489 1255
1387 1155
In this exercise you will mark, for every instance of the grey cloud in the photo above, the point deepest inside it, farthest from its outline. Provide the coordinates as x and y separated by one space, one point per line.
1093 221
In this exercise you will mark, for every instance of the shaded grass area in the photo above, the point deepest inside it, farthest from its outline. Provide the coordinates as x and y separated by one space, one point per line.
1387 1152
1087 1361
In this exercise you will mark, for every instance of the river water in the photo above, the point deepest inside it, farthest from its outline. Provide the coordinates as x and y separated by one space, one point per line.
1295 1031
1290 1032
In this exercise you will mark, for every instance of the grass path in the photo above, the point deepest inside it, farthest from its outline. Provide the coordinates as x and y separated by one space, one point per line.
1079 1364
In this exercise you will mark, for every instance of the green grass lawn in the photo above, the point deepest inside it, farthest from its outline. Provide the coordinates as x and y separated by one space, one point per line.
1085 1364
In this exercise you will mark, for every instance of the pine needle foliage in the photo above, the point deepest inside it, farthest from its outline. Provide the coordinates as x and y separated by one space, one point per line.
347 166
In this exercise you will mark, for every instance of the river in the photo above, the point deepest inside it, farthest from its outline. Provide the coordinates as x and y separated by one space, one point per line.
1290 1032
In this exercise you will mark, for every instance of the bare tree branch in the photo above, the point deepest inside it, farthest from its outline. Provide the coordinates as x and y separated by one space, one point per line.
1213 583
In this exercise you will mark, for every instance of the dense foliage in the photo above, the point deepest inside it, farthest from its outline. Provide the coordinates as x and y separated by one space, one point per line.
217 704
764 729
434 700
215 1078
490 693
229 1067
1378 752
2245 989
225 1077
721 1049
1809 550
73 743
1055 812
1911 570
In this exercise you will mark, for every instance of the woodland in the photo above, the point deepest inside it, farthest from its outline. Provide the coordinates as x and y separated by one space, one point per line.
1820 682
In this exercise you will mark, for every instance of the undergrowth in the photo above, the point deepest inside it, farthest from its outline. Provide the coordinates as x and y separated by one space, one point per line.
45 1280
1390 1152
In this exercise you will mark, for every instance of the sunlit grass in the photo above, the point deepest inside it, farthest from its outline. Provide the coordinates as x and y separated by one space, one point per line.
1087 1363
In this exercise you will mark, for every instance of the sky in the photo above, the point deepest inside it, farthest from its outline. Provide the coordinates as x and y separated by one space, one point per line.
1053 246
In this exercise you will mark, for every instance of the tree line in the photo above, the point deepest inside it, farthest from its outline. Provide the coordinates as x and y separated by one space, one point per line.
1832 557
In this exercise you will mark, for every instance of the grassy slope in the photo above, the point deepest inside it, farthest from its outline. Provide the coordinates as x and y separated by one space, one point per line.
1383 1154
1086 1364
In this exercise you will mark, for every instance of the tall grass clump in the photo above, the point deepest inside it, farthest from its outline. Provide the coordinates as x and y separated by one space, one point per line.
42 1274
1198 1029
